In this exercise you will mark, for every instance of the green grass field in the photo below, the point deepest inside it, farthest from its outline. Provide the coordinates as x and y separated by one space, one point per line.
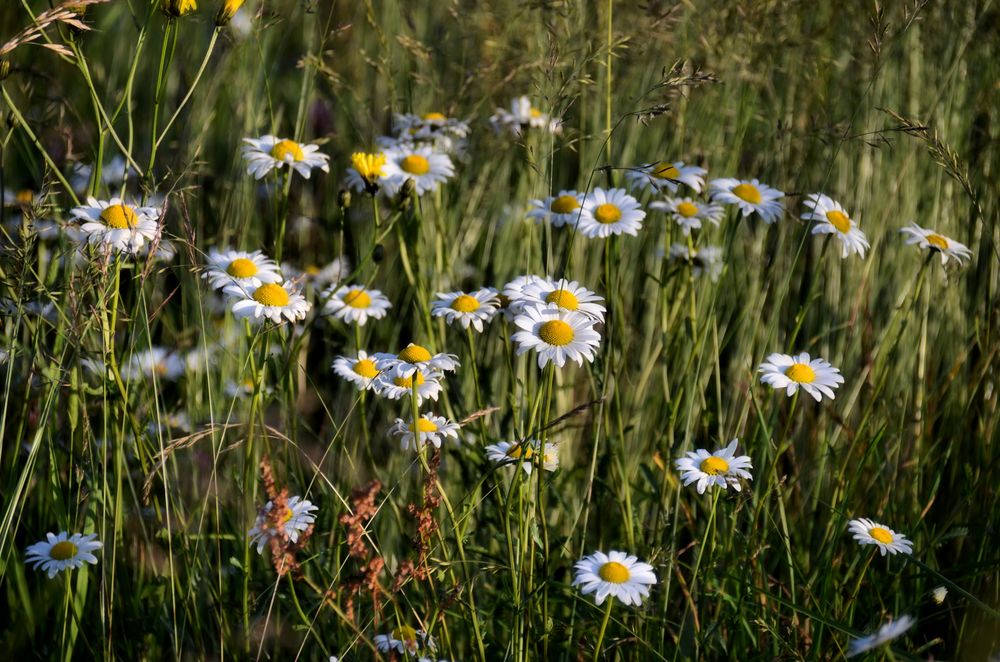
141 404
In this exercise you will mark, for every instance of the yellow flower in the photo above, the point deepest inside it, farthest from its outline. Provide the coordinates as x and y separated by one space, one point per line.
369 166
227 11
177 8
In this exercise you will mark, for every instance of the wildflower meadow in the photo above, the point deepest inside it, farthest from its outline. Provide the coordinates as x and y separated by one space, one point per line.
514 330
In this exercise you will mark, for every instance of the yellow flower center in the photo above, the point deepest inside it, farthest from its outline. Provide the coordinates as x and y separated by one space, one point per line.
465 304
564 204
287 516
312 270
414 354
415 165
25 197
120 217
407 382
614 572
607 213
839 220
285 148
556 332
534 112
687 209
748 193
434 117
63 550
801 373
366 368
665 171
405 634
241 268
880 534
425 425
563 299
271 294
520 451
937 241
714 466
369 166
357 299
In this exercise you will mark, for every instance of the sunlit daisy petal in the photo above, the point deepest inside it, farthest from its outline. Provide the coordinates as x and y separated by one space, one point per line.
689 213
359 370
269 152
721 468
249 270
556 335
557 210
524 453
815 376
355 304
273 301
392 384
421 164
868 532
750 196
472 308
664 175
611 212
63 552
832 218
115 224
566 294
616 574
929 239
430 429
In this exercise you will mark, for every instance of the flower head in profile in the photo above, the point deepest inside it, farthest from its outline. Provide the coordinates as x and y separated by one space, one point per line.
367 172
815 376
355 304
248 270
521 116
704 260
115 224
750 196
157 362
831 218
664 175
394 385
558 210
565 294
721 468
269 153
527 453
415 357
616 574
227 11
178 8
430 429
466 308
296 519
556 335
611 212
929 239
868 532
274 301
688 213
63 552
885 634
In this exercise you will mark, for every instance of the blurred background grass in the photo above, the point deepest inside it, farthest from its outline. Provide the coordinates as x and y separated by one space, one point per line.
797 101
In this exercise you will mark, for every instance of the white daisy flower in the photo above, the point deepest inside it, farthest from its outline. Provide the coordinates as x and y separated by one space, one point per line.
415 357
355 304
431 429
610 212
332 273
689 213
297 518
405 640
750 196
524 453
444 134
158 361
115 224
558 210
665 175
948 248
248 270
815 376
512 295
243 389
269 152
422 164
832 218
274 301
620 575
723 468
359 370
885 634
522 115
556 335
566 294
868 532
704 260
473 308
393 385
63 552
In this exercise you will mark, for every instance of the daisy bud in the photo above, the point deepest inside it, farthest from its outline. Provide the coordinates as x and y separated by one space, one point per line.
344 199
177 8
227 11
4 68
409 186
